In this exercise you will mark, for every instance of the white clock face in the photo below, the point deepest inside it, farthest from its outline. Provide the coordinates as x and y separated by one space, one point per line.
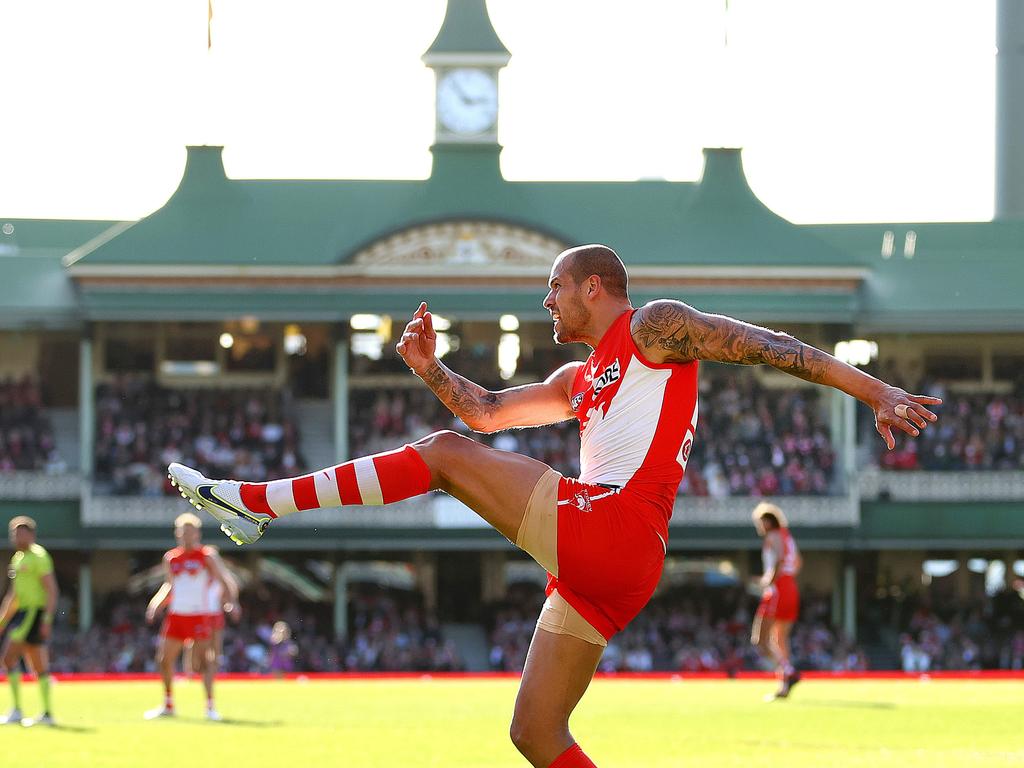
467 101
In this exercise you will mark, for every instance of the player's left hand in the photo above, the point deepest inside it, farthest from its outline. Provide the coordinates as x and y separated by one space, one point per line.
44 630
897 408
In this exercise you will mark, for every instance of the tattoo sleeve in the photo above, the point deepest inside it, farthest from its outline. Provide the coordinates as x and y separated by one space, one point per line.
685 333
470 402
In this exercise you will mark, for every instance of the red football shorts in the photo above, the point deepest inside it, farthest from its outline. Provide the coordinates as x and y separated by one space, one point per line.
781 601
216 621
183 628
610 553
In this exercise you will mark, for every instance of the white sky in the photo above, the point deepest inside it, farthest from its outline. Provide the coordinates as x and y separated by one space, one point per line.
876 110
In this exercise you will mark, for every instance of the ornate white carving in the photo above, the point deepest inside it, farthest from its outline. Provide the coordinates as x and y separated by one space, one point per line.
463 245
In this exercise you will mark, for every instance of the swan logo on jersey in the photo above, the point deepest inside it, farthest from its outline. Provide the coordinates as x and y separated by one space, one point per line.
576 400
581 500
608 376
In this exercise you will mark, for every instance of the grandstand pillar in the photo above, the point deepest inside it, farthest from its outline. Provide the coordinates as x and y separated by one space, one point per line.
86 404
85 597
339 393
340 601
492 576
425 565
850 601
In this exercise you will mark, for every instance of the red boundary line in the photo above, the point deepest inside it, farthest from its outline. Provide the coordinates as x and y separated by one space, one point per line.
94 677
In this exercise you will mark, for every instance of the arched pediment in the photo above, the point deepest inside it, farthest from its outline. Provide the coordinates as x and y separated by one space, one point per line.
461 246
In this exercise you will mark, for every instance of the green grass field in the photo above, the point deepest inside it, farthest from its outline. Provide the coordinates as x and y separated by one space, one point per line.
654 724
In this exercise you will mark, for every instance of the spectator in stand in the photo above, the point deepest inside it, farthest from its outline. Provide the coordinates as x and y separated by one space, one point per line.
141 427
696 630
981 431
751 441
26 436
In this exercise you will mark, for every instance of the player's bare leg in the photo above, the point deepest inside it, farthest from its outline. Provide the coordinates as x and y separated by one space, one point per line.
558 671
167 657
496 484
38 659
11 656
206 656
780 649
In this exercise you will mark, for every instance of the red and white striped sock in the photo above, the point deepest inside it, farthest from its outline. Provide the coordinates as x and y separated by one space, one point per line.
383 478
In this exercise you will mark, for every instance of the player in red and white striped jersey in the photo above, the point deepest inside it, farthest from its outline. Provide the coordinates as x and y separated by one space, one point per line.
780 601
602 536
190 568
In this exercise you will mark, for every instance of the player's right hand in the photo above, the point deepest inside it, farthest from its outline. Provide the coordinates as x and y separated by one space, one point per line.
419 341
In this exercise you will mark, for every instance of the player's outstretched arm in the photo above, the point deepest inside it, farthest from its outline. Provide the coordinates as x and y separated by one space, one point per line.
482 410
671 331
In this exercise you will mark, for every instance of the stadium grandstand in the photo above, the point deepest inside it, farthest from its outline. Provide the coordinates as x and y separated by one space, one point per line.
248 328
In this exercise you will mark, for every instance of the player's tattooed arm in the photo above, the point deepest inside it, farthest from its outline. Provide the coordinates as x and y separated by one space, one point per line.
670 331
528 405
470 402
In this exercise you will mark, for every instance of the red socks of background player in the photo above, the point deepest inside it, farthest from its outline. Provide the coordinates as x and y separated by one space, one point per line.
573 757
372 480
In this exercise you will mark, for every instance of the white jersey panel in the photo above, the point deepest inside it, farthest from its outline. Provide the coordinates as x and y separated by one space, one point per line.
188 594
619 435
214 597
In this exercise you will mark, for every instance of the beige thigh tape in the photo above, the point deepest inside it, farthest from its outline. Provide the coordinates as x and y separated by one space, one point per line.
561 618
538 533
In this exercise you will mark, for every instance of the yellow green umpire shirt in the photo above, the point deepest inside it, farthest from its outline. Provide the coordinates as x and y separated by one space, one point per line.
26 572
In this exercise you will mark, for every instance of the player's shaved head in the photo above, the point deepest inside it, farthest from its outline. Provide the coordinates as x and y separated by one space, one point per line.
585 260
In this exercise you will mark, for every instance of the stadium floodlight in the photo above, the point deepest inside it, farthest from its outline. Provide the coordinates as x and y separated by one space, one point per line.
857 351
939 568
227 340
508 355
368 345
294 340
508 323
977 565
362 322
443 345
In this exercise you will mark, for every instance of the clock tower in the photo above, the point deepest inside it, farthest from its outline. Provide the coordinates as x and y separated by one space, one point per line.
466 56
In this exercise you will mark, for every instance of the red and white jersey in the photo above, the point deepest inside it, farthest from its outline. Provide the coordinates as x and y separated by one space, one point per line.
190 580
214 597
637 418
790 553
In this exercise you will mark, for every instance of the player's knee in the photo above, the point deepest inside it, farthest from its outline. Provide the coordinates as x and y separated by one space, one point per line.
438 449
531 734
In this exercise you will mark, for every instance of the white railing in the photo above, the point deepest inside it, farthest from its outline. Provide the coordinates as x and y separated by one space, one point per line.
941 486
39 486
441 511
160 511
735 510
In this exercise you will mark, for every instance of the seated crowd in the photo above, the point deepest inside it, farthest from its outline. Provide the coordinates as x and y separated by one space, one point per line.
685 630
387 632
985 633
141 427
750 440
26 436
681 630
979 431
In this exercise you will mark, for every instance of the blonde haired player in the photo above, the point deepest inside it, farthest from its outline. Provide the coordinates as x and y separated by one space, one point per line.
189 568
780 600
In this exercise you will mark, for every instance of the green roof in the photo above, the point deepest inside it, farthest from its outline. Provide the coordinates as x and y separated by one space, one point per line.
937 276
213 220
466 29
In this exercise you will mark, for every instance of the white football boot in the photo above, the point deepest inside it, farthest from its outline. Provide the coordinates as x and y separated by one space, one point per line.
12 718
223 500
